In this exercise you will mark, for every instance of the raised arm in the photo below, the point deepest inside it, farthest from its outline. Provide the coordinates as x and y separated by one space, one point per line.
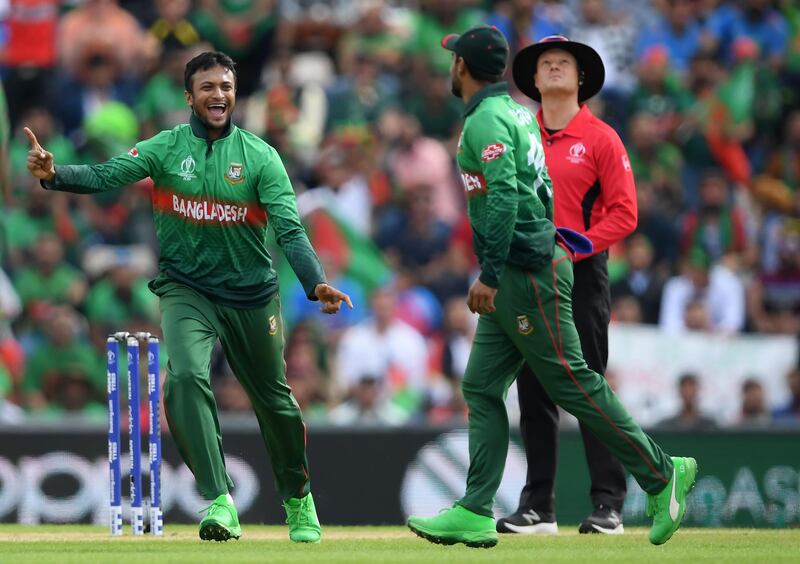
140 162
40 162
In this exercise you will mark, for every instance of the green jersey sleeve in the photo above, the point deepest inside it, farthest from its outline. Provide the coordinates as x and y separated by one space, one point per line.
275 193
141 161
495 149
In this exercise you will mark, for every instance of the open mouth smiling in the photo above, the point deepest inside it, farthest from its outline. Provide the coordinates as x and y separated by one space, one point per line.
217 110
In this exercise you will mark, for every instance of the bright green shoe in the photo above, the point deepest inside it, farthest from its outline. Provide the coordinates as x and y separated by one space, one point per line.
669 505
301 516
457 524
221 523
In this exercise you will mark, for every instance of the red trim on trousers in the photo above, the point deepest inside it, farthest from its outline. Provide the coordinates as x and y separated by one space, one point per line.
565 364
560 350
570 254
300 493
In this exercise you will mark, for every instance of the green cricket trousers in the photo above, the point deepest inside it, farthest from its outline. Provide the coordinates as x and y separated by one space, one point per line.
533 323
253 343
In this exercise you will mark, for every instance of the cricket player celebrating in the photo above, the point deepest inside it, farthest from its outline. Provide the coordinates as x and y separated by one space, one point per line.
523 296
216 188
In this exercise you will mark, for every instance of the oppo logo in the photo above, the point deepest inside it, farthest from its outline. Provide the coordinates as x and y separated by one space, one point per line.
23 488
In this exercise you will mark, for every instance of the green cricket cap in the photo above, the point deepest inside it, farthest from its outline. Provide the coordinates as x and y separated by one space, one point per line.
484 48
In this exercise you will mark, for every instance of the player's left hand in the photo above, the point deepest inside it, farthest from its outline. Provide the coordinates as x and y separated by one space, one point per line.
331 298
481 298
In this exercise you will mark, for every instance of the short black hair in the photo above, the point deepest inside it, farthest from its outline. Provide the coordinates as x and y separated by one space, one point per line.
205 61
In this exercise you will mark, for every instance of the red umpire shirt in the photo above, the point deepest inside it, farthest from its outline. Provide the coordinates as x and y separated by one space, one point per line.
594 190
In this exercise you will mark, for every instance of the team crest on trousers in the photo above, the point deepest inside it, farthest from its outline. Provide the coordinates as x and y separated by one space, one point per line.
234 174
273 326
523 325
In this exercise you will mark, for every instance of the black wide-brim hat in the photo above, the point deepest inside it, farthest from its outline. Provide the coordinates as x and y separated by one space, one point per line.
589 62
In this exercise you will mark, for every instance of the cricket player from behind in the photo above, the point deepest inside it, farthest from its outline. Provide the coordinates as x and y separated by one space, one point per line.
216 189
524 298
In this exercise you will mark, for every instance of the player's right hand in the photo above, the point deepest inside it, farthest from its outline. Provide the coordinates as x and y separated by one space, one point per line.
331 298
40 162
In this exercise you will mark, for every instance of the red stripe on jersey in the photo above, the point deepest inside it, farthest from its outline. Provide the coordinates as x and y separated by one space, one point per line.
203 211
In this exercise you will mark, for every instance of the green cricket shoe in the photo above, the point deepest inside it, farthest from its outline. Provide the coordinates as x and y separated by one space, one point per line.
301 516
669 505
221 523
457 524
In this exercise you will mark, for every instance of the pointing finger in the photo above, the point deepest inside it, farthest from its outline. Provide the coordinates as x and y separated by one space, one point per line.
346 299
32 138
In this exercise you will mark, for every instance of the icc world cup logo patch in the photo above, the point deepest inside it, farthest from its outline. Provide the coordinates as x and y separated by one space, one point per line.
576 153
188 166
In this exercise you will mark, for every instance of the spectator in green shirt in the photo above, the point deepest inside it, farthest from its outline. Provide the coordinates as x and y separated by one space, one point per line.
361 96
40 215
42 121
32 213
121 299
660 92
244 29
434 20
161 103
49 280
656 160
430 102
372 32
65 373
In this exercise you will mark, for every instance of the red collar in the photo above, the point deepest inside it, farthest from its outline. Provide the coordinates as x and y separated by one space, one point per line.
575 128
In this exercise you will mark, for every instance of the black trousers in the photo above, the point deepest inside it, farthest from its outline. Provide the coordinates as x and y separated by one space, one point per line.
591 305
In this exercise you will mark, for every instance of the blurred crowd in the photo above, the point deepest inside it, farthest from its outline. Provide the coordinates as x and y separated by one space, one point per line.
355 96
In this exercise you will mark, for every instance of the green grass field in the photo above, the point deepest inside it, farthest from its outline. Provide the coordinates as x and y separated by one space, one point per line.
86 544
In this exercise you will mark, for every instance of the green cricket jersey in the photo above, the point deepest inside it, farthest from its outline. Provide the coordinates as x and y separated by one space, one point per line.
212 202
509 193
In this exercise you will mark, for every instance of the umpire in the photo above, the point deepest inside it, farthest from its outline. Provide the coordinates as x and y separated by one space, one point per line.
595 195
